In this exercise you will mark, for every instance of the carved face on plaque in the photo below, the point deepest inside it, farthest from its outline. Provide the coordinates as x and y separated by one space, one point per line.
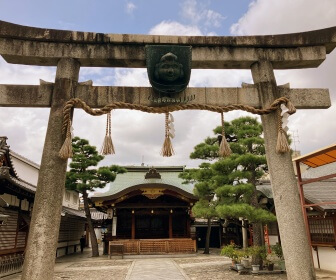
168 68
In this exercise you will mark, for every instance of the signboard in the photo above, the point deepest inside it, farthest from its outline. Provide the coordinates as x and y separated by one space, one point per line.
114 226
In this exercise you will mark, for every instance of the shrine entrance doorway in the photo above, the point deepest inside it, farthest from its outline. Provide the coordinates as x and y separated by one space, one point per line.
163 217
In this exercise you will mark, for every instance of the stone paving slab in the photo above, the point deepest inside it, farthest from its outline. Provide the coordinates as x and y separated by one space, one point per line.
155 269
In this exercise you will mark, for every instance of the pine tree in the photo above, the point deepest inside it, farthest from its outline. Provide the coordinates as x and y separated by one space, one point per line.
83 177
250 161
205 206
234 178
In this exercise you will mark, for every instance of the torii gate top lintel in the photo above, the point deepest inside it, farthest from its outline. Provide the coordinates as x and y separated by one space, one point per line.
285 51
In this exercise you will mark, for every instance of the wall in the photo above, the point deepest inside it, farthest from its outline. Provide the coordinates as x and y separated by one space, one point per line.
327 257
12 240
71 199
273 239
98 232
29 171
12 200
71 230
25 169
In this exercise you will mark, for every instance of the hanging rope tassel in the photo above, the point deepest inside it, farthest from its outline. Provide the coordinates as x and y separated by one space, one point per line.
224 148
291 107
167 148
66 150
108 148
282 143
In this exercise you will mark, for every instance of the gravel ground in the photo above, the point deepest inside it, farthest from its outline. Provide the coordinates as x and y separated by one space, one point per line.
196 267
102 263
101 274
213 267
213 271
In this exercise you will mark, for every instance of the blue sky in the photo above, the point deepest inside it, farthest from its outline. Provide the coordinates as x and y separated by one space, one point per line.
135 134
120 16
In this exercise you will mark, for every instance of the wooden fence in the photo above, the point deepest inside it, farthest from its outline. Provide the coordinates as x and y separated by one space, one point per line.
156 246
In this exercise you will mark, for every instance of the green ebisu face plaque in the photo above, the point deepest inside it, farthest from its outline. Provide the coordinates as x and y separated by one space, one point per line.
169 69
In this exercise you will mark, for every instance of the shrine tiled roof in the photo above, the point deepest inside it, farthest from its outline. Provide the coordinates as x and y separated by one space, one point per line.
323 191
73 212
323 170
136 176
8 172
321 164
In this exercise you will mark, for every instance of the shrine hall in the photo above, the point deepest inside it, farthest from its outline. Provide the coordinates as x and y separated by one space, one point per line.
149 211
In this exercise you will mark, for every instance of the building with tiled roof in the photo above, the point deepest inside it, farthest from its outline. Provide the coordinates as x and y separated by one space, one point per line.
318 187
148 202
18 178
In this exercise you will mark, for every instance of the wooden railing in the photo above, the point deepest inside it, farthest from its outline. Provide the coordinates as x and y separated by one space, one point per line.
156 246
10 264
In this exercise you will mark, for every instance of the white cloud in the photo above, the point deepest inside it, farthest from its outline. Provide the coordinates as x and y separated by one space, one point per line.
131 77
198 14
285 16
23 74
175 28
275 17
25 127
130 7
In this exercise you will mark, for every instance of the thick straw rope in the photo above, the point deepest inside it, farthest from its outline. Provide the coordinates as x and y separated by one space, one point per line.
282 143
108 148
167 148
76 102
224 148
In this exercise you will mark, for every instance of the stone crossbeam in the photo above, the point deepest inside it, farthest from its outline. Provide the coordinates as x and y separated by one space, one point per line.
133 56
99 96
323 37
45 47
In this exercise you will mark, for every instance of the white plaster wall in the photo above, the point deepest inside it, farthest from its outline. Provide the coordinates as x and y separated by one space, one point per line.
273 239
29 172
12 200
327 257
25 170
71 249
98 234
61 252
71 200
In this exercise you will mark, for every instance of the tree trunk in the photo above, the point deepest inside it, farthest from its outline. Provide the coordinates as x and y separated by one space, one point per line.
207 238
257 227
257 241
94 243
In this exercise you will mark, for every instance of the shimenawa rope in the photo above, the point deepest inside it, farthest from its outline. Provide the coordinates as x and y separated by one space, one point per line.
66 151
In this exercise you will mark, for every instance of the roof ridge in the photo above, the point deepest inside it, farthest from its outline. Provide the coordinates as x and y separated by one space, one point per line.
24 158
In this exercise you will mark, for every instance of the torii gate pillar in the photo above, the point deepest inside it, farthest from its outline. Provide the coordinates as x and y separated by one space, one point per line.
43 236
284 184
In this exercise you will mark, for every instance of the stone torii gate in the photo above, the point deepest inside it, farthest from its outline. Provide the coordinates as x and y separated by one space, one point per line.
69 50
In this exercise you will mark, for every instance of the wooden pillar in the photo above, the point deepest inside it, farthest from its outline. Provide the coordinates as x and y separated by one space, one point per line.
244 234
44 227
133 225
170 225
188 225
284 184
18 224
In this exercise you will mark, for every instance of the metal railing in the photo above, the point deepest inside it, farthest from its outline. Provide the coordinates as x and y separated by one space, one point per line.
11 264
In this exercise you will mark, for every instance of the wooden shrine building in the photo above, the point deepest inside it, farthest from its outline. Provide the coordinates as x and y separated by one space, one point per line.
18 177
149 210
